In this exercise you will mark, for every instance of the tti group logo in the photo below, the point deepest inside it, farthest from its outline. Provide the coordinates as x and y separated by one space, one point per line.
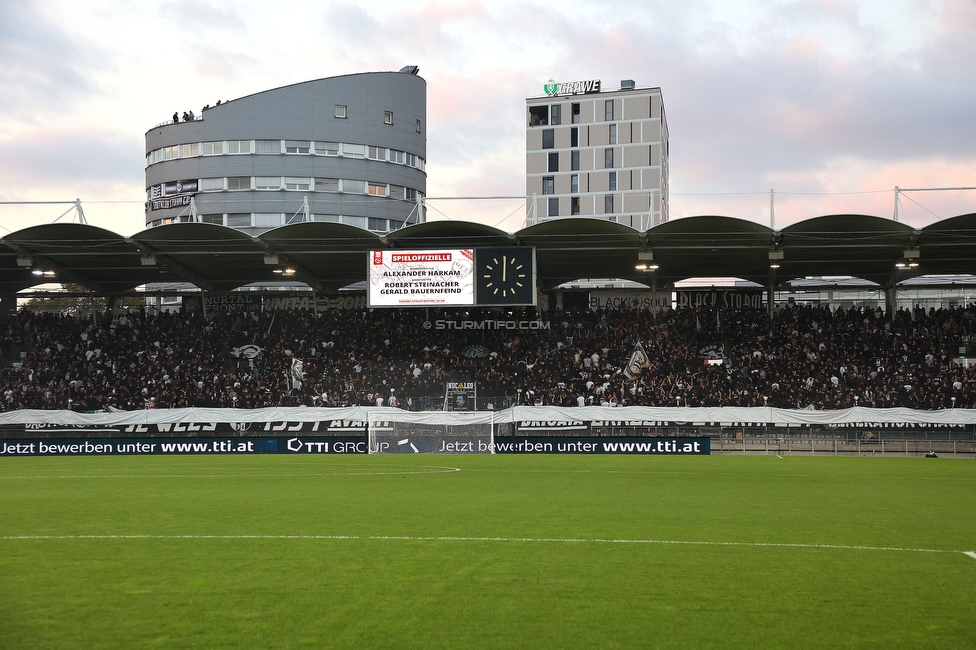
551 87
299 446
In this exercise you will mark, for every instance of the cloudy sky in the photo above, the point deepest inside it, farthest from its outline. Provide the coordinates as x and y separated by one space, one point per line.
831 103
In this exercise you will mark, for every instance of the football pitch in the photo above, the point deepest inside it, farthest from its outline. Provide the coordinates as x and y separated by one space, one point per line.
484 551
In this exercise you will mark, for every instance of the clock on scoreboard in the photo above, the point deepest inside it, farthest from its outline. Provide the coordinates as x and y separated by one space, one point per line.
505 276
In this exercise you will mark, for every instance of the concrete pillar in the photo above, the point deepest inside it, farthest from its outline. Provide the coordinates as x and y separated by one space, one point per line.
8 303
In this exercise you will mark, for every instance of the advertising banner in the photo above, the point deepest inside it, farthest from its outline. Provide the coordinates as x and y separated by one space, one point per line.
460 395
635 300
171 446
421 278
185 429
568 445
168 203
720 298
464 443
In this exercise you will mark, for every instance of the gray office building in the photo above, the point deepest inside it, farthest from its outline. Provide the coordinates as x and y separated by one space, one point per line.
349 149
597 153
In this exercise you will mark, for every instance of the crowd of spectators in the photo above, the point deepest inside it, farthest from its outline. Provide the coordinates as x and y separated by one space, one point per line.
800 357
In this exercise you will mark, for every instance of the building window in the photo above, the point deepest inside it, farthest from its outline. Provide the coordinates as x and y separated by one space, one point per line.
376 189
327 148
239 183
608 110
296 146
340 111
549 139
548 184
350 186
613 134
387 117
574 205
553 207
376 153
239 220
608 203
574 184
212 148
238 146
553 162
397 192
376 224
267 219
354 150
418 126
399 157
574 136
326 184
574 160
538 115
267 146
613 182
576 113
211 184
555 114
267 182
189 150
170 153
212 218
411 160
301 184
411 194
608 158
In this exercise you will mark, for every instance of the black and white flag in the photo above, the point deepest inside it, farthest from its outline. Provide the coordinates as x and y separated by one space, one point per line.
297 373
247 351
638 361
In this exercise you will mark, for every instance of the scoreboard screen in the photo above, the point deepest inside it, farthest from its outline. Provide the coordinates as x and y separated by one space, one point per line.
452 278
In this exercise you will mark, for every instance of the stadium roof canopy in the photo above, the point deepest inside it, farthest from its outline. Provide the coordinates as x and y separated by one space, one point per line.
329 256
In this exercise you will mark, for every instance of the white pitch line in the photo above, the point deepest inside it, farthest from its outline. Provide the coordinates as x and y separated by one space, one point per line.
551 540
360 472
729 474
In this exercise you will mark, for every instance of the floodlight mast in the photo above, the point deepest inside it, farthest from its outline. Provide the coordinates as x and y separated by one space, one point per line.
75 205
899 190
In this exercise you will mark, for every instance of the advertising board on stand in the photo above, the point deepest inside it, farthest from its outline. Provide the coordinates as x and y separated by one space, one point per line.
720 298
632 300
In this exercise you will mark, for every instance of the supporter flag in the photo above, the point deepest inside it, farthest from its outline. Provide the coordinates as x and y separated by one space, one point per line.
297 372
247 351
638 361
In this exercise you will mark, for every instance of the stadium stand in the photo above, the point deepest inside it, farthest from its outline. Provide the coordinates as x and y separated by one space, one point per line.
801 357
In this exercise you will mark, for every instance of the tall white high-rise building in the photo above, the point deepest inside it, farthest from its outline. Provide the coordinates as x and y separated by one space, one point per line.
592 152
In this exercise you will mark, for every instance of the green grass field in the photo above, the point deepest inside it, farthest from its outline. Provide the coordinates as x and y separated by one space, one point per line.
501 552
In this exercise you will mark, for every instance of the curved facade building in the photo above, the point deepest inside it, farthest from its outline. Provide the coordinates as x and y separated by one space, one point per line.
348 149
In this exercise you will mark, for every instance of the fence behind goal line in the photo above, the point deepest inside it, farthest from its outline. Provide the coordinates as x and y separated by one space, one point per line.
400 437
